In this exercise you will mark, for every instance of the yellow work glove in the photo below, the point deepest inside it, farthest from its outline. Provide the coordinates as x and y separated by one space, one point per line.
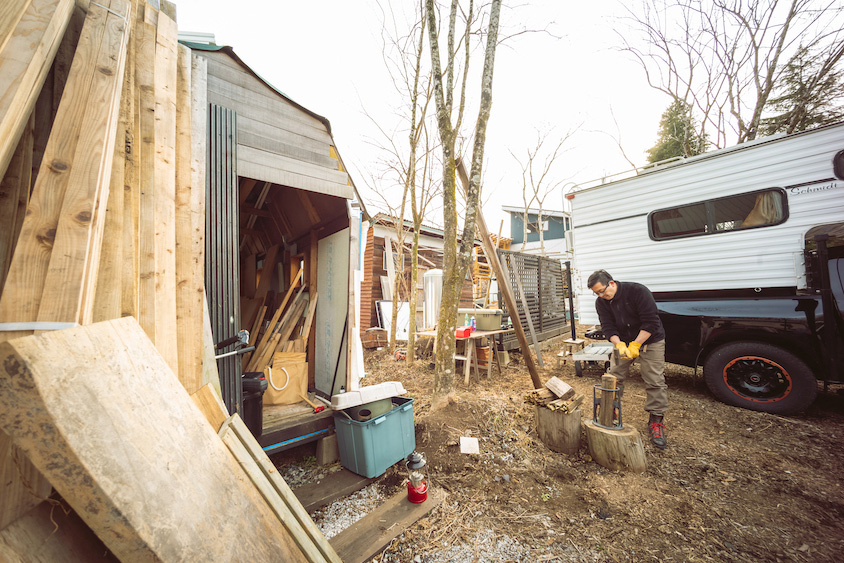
622 351
633 350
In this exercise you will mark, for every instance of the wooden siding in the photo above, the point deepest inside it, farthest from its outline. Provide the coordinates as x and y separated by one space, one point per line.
278 142
373 262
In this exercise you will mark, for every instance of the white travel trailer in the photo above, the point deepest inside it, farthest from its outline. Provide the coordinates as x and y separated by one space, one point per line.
743 249
732 219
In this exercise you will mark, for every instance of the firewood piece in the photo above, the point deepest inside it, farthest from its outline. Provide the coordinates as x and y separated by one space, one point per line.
560 388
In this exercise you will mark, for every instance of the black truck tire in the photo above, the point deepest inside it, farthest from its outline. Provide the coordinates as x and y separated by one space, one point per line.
761 377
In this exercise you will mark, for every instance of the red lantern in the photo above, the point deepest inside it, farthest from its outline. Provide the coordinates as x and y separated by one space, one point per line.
417 484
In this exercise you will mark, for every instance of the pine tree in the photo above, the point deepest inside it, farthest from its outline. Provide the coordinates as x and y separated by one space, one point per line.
678 134
808 92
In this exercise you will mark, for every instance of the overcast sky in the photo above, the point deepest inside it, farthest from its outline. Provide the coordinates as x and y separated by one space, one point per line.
326 56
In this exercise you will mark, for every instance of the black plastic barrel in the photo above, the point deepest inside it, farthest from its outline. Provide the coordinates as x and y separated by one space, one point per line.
254 385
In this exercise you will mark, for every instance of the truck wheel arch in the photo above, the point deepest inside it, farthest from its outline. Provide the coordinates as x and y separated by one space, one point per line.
759 376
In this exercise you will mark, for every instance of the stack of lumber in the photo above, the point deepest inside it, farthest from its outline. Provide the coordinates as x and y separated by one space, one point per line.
151 489
102 182
556 395
286 330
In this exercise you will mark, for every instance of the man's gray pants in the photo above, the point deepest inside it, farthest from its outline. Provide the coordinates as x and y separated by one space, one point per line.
652 367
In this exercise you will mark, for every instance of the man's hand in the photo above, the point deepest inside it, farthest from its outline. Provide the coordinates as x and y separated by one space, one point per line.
633 350
623 352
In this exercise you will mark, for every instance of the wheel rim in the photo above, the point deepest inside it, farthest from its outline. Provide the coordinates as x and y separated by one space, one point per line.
757 379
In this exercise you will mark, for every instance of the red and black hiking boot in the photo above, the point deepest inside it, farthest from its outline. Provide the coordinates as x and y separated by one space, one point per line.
657 431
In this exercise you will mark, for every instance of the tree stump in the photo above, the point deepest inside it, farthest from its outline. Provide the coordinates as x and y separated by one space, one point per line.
616 449
558 430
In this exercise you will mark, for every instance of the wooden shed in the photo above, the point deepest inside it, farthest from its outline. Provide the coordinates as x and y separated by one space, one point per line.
278 212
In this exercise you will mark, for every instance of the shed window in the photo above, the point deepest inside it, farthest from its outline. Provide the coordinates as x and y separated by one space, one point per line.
753 209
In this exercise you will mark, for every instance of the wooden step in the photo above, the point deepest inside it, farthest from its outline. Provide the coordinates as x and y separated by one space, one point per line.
333 487
370 535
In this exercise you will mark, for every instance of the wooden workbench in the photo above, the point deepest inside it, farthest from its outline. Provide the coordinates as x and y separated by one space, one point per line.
470 356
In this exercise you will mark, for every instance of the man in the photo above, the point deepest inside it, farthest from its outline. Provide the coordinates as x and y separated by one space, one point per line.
629 319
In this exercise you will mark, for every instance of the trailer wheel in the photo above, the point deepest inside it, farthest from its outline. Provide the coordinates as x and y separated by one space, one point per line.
578 368
760 377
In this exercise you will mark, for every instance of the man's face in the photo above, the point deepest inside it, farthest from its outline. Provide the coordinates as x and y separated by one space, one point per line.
605 291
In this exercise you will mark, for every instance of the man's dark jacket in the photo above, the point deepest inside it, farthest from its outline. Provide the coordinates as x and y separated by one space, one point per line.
632 309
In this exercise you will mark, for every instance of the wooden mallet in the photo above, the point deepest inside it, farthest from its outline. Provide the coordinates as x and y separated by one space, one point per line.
317 408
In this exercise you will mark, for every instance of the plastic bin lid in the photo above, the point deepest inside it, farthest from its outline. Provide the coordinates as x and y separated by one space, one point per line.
367 394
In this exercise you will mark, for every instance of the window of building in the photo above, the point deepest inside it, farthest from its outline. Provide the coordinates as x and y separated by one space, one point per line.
753 209
400 268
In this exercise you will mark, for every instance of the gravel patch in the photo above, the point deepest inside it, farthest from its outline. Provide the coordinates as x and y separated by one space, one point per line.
339 515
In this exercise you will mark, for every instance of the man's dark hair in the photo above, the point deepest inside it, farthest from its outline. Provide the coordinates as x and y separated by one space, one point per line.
598 276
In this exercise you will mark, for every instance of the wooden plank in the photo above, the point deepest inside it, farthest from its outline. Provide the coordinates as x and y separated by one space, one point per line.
293 166
248 274
504 281
267 272
560 388
189 266
131 187
144 162
229 80
198 164
269 168
25 281
14 196
68 288
210 405
166 332
27 52
309 319
370 535
265 339
334 486
108 300
294 512
57 380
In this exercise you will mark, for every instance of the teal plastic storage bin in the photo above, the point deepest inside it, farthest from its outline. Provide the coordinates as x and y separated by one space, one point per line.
369 448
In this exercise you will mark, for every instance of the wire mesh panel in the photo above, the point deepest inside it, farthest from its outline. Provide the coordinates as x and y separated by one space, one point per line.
538 283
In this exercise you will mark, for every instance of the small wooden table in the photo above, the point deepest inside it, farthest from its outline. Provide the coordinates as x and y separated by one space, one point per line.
470 356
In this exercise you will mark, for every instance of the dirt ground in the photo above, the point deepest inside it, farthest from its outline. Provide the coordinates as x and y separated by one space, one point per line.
733 485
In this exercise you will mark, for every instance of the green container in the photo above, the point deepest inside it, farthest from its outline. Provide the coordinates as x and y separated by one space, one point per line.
369 448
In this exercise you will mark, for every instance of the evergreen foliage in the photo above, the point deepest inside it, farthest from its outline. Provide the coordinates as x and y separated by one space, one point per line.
678 134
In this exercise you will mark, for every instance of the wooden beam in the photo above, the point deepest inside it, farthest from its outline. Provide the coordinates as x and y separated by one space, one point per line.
370 535
131 187
305 199
145 165
25 282
504 282
165 190
256 212
190 267
58 380
30 34
14 196
278 494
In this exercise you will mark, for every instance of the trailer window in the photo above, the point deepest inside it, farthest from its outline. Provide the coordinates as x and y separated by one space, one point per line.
754 209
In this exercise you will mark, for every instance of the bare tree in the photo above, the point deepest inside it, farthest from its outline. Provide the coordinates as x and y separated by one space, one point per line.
449 119
725 57
538 181
408 164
